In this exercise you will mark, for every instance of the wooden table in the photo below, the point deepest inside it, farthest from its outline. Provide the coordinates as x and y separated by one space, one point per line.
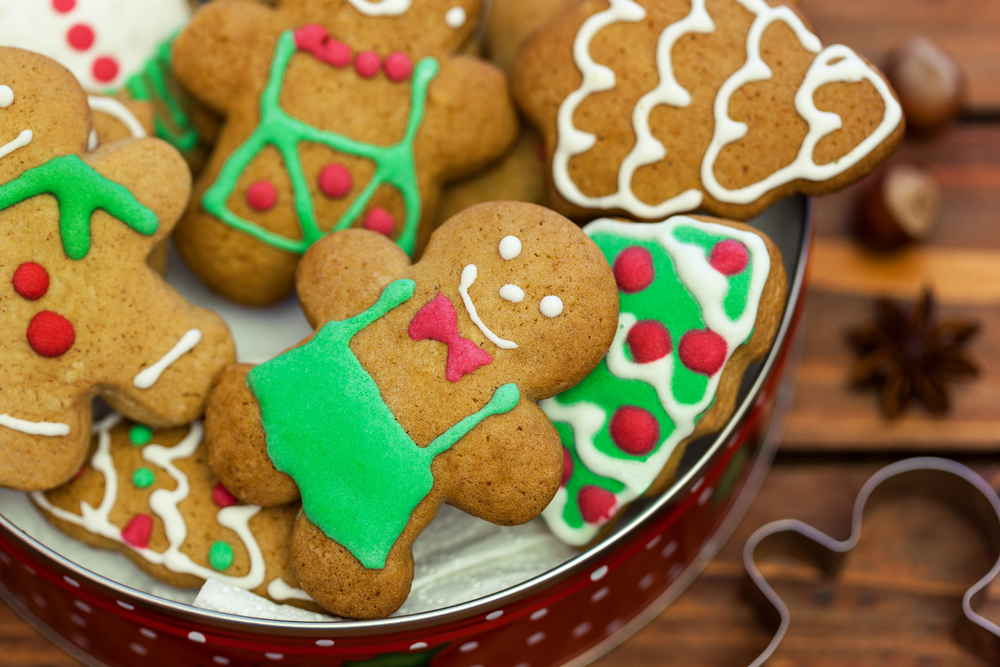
898 599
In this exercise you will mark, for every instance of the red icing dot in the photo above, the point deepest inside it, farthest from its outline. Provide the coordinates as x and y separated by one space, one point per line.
79 473
648 341
49 334
729 257
398 66
380 220
634 430
702 351
222 497
31 281
138 530
335 181
310 37
262 196
633 269
367 63
105 69
81 37
336 53
567 467
597 505
63 6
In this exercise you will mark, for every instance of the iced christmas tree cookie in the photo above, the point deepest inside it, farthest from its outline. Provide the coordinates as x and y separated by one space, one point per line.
418 388
700 299
339 114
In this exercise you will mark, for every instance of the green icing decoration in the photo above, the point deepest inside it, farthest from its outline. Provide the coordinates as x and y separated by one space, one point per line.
739 285
220 556
140 435
80 191
154 83
143 478
394 165
360 474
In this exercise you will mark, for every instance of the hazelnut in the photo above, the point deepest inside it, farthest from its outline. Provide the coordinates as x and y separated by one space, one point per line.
929 83
901 205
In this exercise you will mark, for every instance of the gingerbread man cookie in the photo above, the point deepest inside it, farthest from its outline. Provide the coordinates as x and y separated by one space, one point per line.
83 313
418 388
725 105
338 114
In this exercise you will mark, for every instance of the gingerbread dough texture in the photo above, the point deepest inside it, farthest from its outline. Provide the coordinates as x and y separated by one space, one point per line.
419 387
721 105
338 114
83 313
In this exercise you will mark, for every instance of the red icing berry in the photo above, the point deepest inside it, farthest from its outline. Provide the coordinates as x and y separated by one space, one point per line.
702 351
729 257
633 269
634 430
222 497
63 6
138 530
105 69
380 220
367 64
336 53
567 467
262 196
80 37
49 334
648 341
398 66
31 281
597 505
335 181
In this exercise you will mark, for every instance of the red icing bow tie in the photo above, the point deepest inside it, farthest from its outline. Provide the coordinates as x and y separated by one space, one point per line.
437 320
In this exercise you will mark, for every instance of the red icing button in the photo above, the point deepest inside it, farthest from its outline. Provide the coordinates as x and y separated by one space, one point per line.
567 467
729 257
81 37
105 69
310 37
262 196
634 430
49 334
702 351
398 66
648 341
336 53
222 497
63 6
633 269
380 220
335 181
597 505
367 63
31 281
138 530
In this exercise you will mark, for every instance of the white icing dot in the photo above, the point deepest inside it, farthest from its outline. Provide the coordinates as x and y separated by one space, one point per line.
419 646
512 293
72 582
510 247
147 633
581 630
494 615
541 613
551 306
646 581
40 601
705 495
92 140
196 637
455 17
137 648
324 642
599 573
82 606
124 605
6 96
669 550
600 594
219 660
274 656
79 620
468 646
535 638
653 542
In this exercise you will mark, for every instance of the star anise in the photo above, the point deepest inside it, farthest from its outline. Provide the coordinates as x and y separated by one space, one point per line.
910 353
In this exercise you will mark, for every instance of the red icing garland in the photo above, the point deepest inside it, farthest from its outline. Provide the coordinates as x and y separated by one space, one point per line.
437 320
49 334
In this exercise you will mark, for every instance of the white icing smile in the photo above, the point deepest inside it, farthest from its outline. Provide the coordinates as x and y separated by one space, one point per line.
148 376
469 274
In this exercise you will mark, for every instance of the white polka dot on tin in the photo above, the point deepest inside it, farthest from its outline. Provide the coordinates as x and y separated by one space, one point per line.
324 642
675 571
40 601
646 581
697 485
138 648
581 630
274 656
220 660
5 558
468 646
614 626
494 615
419 646
196 637
79 620
147 633
599 573
30 569
522 664
536 638
82 606
72 582
669 550
124 605
540 614
705 495
600 594
653 542
80 641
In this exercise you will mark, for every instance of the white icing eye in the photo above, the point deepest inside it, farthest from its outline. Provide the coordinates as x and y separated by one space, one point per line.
455 17
6 96
551 306
512 293
510 246
92 140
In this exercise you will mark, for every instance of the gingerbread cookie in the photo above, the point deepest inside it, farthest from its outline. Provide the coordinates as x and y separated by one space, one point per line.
700 299
418 388
151 495
338 114
84 315
725 105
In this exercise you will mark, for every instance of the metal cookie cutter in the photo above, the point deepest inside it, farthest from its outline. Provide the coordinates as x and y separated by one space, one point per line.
941 479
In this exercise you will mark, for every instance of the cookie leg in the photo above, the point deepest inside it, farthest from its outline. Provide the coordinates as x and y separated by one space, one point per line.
41 451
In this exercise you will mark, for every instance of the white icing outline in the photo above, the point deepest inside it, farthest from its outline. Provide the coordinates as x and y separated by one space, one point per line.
164 504
381 7
469 275
149 376
512 293
279 590
709 289
118 111
50 429
20 141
